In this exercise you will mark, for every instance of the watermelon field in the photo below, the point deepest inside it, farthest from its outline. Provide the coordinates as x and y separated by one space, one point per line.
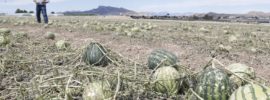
119 58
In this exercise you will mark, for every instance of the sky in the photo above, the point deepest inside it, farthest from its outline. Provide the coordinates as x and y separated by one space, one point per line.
171 6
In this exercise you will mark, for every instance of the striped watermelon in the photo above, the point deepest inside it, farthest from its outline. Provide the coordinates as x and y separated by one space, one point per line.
213 84
99 90
95 54
251 92
161 57
166 80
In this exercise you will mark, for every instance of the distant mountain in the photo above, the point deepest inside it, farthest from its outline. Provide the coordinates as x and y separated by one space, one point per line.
104 10
249 14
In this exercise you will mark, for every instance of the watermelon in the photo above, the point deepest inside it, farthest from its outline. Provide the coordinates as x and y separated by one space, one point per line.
204 30
251 92
4 41
233 38
242 71
213 84
85 25
4 32
161 57
227 31
166 80
99 90
20 35
135 29
50 35
62 45
95 54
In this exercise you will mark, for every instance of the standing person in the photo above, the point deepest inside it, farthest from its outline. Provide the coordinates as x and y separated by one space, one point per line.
41 8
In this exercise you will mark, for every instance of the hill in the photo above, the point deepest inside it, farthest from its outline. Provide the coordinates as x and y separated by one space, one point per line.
258 13
103 10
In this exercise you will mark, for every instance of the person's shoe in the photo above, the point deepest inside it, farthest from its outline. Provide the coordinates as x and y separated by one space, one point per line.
50 23
46 26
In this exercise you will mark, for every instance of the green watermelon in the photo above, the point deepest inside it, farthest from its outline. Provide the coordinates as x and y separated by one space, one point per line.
4 40
99 90
62 45
50 35
242 71
213 84
161 57
204 30
4 32
21 35
251 92
95 54
166 80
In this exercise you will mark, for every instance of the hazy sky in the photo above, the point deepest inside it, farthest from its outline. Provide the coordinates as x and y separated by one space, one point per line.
172 6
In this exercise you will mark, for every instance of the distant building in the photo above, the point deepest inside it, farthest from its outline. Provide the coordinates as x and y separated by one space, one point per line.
263 21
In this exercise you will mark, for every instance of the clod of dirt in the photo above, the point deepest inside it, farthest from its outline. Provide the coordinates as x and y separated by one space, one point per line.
2 88
225 48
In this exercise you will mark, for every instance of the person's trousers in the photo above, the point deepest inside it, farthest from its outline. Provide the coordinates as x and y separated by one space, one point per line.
41 9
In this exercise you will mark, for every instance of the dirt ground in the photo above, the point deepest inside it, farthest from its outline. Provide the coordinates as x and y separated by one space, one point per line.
193 48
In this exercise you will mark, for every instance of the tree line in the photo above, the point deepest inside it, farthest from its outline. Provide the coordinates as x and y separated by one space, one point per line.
25 11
